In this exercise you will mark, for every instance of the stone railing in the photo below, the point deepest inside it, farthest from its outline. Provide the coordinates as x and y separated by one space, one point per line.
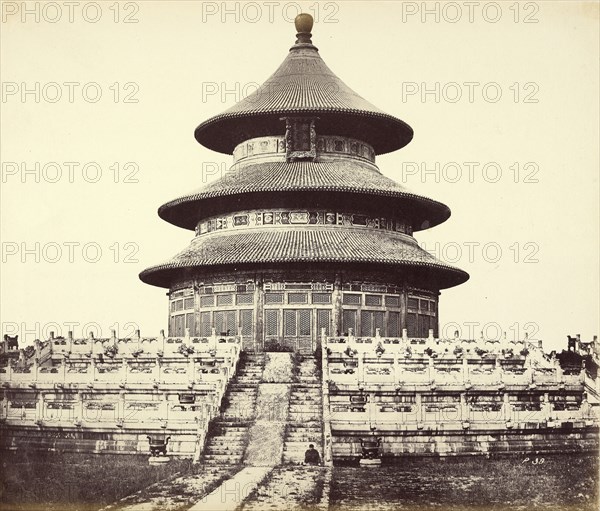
78 383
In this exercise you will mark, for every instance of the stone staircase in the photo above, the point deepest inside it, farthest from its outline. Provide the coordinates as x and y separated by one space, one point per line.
305 416
228 433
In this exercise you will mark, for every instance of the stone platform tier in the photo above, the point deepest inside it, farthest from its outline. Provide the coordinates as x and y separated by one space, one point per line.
453 396
111 395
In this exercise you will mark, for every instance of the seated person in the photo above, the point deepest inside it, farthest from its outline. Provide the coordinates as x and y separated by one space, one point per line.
311 456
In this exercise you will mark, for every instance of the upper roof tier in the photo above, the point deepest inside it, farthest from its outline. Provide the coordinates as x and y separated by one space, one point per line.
304 85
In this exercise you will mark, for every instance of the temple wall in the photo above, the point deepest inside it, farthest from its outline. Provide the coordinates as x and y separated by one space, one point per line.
292 307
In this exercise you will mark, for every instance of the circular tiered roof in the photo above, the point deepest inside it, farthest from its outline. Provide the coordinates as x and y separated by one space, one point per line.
267 175
304 85
278 183
257 247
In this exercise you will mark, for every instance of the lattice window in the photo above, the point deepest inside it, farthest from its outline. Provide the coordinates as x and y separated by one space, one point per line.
378 322
411 324
224 300
207 301
373 300
352 299
177 305
246 322
272 322
289 323
321 298
323 321
245 299
392 301
295 298
225 323
394 324
190 323
205 324
348 320
188 303
366 324
179 326
423 305
413 303
423 325
273 298
304 322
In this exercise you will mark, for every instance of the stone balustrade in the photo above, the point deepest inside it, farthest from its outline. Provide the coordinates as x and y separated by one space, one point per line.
146 386
403 384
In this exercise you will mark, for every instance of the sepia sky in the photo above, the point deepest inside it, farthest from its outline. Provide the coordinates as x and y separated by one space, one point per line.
100 101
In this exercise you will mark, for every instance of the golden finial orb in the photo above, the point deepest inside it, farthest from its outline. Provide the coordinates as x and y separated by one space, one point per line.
304 23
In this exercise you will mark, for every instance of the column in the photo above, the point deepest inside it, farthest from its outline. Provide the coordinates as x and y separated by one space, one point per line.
403 301
336 300
258 313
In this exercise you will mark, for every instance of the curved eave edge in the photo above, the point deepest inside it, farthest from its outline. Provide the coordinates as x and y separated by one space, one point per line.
155 274
167 211
201 129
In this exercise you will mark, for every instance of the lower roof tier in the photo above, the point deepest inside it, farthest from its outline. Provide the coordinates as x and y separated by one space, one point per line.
307 245
311 184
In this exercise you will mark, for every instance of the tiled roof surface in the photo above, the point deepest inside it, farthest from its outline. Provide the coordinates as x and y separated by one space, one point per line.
302 244
350 176
304 84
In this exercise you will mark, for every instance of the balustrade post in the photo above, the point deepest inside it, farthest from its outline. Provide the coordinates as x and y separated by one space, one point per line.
35 370
506 407
124 370
431 370
546 407
92 375
156 369
39 407
560 377
464 407
63 369
79 408
419 407
161 341
191 369
361 368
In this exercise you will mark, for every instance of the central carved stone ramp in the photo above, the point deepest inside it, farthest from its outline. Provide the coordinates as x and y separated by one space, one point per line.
265 439
305 416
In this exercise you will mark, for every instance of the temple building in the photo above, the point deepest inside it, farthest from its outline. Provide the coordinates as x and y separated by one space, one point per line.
304 232
303 246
